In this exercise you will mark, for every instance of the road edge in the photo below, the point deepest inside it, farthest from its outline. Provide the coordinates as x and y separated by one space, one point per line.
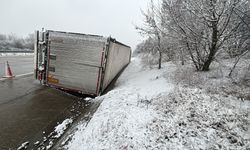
17 76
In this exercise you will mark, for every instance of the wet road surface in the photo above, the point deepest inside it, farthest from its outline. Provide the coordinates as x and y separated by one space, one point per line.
28 108
83 119
19 64
30 111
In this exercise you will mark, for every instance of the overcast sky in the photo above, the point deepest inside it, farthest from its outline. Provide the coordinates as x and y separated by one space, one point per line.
103 17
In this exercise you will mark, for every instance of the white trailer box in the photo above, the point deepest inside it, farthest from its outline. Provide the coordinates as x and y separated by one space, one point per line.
78 62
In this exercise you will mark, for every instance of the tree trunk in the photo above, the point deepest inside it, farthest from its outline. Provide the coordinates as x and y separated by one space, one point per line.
160 57
182 62
182 58
213 48
159 49
207 64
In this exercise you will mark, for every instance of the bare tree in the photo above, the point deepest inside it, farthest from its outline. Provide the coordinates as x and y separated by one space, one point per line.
147 46
3 37
240 44
12 41
202 27
152 29
29 41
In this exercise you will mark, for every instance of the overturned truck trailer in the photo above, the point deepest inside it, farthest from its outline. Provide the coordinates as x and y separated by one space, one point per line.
78 62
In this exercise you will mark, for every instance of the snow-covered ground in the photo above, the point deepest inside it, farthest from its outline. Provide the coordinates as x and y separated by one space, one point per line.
16 54
148 110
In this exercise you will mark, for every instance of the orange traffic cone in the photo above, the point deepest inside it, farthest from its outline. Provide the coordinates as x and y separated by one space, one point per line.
8 72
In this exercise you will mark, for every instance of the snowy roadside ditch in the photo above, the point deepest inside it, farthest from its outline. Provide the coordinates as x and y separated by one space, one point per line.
121 120
146 110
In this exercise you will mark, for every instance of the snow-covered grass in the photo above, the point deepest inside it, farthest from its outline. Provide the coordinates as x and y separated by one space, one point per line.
189 118
148 109
216 81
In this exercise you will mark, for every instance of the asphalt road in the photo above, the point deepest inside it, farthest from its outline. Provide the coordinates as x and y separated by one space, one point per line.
19 64
29 111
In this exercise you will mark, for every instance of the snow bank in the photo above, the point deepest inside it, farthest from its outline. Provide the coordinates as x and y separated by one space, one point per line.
148 110
59 129
16 54
121 120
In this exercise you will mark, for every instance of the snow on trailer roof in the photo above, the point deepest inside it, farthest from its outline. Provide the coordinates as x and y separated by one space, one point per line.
117 42
75 33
